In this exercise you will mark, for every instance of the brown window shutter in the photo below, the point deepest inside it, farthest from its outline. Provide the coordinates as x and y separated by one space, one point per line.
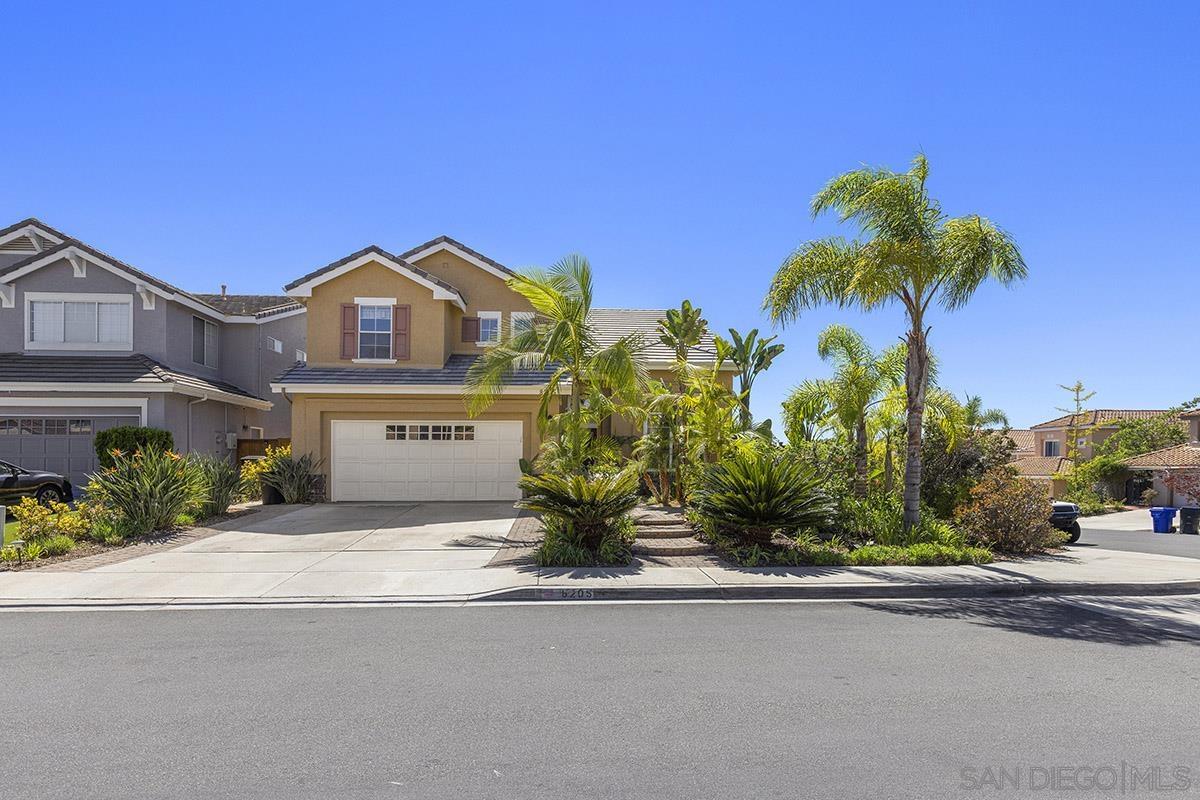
401 318
349 330
470 329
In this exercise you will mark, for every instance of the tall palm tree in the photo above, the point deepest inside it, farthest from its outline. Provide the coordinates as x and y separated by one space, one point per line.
975 416
563 342
751 355
861 378
909 253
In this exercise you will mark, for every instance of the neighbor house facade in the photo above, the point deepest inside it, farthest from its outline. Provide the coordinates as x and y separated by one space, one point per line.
88 342
1179 458
379 401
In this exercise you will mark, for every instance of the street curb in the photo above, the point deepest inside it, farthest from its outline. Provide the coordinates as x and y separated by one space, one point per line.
840 592
536 594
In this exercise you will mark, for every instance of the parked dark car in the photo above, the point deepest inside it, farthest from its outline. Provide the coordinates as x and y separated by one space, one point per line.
44 487
1065 517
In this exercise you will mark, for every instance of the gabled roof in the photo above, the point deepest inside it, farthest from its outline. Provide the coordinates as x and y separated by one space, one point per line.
452 376
135 372
302 287
614 323
445 243
1181 456
1105 416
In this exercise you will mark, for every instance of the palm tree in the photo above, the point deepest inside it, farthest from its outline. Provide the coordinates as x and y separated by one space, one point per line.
861 378
910 253
563 343
751 355
976 417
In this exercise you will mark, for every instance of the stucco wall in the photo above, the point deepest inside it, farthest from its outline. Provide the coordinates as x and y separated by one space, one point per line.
427 324
312 414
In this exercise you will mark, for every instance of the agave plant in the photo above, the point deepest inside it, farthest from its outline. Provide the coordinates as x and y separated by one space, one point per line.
753 494
589 506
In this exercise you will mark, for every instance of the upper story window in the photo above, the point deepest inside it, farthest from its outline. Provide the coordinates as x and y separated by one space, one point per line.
204 342
274 345
78 321
521 322
489 327
375 332
1050 448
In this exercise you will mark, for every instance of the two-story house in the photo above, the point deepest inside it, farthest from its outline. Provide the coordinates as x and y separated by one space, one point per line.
88 342
1178 458
390 338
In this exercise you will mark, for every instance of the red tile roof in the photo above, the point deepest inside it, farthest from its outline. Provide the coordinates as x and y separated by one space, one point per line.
1040 466
1022 438
1178 457
1103 416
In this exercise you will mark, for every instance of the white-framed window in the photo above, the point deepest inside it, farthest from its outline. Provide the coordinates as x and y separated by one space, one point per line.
375 332
274 345
521 321
204 342
78 321
489 327
302 356
256 432
1050 448
429 433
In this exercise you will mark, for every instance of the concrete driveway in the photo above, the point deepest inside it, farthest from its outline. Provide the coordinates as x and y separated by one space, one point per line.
325 550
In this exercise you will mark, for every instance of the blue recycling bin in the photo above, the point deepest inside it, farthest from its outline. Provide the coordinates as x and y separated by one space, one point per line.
1162 516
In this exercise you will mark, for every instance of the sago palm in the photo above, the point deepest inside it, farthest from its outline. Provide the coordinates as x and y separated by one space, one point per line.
909 253
563 342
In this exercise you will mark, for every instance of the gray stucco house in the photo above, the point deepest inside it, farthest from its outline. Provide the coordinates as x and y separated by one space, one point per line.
88 342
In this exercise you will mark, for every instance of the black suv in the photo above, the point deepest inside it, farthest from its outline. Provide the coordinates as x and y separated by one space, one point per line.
44 487
1065 517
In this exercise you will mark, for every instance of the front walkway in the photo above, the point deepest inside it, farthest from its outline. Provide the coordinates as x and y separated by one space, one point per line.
437 551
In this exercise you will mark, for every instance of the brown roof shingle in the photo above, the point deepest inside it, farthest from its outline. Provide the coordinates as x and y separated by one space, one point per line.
1039 466
248 304
1022 438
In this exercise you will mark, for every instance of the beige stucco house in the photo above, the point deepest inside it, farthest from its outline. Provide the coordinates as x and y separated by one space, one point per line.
390 339
1180 458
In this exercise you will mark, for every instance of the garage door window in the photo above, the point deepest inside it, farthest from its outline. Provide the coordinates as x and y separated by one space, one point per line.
429 433
54 426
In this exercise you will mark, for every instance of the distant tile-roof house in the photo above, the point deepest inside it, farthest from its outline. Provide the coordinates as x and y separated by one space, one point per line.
1023 442
390 339
1179 458
88 341
1090 427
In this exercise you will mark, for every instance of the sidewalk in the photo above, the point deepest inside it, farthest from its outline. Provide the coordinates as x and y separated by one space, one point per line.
292 581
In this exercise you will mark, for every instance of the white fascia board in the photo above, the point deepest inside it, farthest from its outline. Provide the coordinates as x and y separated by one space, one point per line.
463 254
399 267
255 319
29 230
224 397
398 389
153 388
140 404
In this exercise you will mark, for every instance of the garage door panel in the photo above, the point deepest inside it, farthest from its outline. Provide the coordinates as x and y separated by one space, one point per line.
468 460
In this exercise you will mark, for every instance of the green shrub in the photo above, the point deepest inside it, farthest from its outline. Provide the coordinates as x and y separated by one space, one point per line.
562 547
32 551
219 480
879 519
130 439
753 495
252 470
147 490
878 555
587 506
58 545
9 554
1009 514
291 477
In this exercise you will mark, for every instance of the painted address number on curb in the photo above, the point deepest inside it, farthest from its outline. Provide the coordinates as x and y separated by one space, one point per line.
568 594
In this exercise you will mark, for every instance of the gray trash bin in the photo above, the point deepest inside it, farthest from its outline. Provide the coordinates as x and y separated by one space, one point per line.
1189 520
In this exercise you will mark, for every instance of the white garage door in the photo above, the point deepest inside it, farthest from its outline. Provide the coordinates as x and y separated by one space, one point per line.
425 460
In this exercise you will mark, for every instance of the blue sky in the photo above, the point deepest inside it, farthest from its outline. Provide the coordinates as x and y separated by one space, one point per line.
676 145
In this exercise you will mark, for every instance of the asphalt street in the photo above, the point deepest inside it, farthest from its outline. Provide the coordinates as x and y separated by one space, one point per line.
900 699
1166 544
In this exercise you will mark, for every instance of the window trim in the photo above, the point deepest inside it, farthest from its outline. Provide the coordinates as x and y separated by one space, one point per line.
1057 448
77 297
301 356
378 302
498 316
216 341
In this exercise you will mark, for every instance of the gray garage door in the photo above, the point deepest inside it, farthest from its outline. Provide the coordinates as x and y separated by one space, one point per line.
60 444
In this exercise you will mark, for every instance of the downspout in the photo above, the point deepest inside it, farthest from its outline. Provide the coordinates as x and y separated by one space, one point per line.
191 403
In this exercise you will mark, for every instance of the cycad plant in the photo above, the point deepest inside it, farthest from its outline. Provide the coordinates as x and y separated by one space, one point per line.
910 253
754 494
588 506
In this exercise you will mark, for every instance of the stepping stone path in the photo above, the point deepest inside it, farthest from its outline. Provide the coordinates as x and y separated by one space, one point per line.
665 532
